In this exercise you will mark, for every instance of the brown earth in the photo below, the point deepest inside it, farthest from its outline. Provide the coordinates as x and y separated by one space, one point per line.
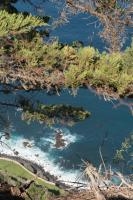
112 193
9 193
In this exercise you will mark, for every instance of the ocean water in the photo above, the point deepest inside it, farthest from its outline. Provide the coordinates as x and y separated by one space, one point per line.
107 126
81 27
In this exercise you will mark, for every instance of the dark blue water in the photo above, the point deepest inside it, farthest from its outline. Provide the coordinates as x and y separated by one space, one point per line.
80 27
107 125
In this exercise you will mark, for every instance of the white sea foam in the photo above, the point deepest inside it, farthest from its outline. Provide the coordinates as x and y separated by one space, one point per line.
19 109
68 137
44 159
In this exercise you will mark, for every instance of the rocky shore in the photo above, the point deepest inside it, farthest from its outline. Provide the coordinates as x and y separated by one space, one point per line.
37 170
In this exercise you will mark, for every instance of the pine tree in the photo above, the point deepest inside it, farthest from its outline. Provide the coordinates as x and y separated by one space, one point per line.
18 23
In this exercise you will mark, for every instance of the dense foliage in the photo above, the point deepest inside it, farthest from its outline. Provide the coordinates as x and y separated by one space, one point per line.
17 24
53 114
33 63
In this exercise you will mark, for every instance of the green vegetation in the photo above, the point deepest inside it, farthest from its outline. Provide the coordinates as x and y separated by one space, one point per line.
15 175
125 150
28 62
18 23
102 70
51 114
34 53
52 65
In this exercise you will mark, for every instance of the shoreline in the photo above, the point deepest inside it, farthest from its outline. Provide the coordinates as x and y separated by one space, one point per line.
45 176
40 162
118 192
35 170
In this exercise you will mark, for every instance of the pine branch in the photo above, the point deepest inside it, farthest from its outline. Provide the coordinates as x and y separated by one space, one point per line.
18 23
